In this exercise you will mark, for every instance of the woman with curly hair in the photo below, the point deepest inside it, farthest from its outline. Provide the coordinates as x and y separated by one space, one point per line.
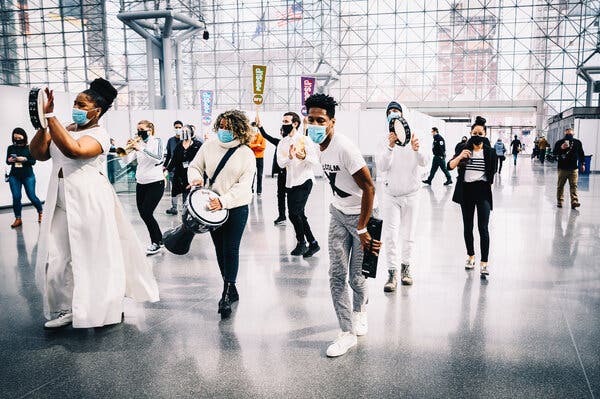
233 184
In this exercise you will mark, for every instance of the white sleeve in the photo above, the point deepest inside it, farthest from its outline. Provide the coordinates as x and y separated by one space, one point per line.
197 166
241 192
283 157
384 158
352 159
312 156
101 136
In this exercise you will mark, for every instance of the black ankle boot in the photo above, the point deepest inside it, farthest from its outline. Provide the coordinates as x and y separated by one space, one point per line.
226 300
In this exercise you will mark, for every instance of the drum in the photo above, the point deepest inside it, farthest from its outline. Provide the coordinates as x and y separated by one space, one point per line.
36 108
196 219
399 125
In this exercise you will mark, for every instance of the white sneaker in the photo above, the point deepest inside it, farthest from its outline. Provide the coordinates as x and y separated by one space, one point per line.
484 271
361 325
342 343
65 317
470 264
153 249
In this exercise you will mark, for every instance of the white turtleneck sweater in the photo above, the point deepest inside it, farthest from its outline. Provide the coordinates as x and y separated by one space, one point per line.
401 168
234 182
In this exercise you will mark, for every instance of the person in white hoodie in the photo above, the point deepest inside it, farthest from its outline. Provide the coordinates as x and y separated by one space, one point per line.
401 203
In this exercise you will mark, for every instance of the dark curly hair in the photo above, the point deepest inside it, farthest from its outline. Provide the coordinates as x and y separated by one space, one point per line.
102 93
322 101
237 122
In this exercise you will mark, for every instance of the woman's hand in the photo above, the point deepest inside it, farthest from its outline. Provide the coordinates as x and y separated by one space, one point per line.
196 183
465 154
365 242
12 159
214 205
49 104
21 159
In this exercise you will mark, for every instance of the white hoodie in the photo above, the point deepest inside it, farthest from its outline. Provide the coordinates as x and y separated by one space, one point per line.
401 168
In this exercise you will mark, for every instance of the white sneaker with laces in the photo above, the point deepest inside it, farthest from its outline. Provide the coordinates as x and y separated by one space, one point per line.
484 271
153 249
342 343
470 264
64 318
361 324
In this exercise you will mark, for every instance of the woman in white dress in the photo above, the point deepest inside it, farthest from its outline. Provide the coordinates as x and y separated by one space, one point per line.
89 257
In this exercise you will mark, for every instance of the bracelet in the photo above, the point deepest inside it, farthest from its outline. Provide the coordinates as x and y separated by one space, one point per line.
50 115
361 231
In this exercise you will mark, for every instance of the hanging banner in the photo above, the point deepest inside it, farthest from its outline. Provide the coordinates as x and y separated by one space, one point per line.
259 73
206 105
307 89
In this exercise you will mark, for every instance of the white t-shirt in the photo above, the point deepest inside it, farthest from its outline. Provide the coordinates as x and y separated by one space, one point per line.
340 160
475 170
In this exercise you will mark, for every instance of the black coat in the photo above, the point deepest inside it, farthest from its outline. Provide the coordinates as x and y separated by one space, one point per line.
180 158
491 162
275 141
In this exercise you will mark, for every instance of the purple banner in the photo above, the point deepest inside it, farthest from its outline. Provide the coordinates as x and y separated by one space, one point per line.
307 89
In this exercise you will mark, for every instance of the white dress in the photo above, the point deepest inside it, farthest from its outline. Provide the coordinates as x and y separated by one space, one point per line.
89 255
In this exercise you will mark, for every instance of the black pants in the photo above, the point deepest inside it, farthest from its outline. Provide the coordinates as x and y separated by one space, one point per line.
260 163
476 195
227 239
501 159
297 197
281 191
438 162
147 197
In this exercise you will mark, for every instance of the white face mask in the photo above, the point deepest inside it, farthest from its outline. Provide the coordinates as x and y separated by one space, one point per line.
178 131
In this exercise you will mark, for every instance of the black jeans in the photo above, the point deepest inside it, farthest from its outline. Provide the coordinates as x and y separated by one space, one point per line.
260 163
281 191
475 195
501 159
438 162
297 197
227 239
147 197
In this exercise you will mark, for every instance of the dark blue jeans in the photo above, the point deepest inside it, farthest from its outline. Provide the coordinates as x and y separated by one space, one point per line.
227 239
15 188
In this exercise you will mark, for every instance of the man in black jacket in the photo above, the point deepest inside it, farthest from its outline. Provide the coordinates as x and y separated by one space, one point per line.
569 151
171 144
439 157
281 173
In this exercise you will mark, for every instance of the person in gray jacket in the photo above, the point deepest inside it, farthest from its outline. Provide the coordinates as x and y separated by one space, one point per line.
400 165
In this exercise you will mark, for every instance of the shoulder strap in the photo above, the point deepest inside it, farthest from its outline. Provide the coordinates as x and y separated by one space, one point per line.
221 164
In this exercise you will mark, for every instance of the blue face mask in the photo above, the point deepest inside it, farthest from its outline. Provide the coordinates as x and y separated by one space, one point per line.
80 117
317 133
225 135
393 115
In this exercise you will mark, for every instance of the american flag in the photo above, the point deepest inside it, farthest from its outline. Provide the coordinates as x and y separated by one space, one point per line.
292 13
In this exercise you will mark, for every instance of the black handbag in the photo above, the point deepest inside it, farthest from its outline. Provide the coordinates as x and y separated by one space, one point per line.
369 266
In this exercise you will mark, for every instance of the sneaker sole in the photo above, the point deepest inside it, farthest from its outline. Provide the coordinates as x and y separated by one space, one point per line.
388 289
341 354
407 283
152 253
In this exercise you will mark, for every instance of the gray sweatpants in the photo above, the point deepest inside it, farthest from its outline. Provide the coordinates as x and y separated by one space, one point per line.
345 257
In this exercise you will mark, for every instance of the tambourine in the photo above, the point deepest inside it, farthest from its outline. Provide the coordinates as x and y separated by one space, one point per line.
397 125
36 108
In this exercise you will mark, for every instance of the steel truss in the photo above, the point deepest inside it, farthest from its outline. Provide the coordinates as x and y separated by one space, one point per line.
363 50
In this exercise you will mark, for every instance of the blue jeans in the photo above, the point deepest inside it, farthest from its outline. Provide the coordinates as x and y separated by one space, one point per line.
227 239
15 188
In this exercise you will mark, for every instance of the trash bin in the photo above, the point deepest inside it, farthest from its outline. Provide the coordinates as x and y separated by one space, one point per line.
588 165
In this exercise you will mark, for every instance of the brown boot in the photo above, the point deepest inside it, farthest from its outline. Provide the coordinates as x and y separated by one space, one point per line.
16 223
40 217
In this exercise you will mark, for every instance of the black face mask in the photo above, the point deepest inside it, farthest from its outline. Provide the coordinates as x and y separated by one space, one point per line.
143 134
286 129
476 140
19 142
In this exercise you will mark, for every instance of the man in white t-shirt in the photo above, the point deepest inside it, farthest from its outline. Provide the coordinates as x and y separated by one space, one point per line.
353 199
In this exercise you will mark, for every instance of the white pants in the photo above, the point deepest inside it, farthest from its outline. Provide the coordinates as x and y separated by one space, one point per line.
59 276
399 219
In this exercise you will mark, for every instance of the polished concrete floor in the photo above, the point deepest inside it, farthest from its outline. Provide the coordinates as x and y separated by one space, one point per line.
531 330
